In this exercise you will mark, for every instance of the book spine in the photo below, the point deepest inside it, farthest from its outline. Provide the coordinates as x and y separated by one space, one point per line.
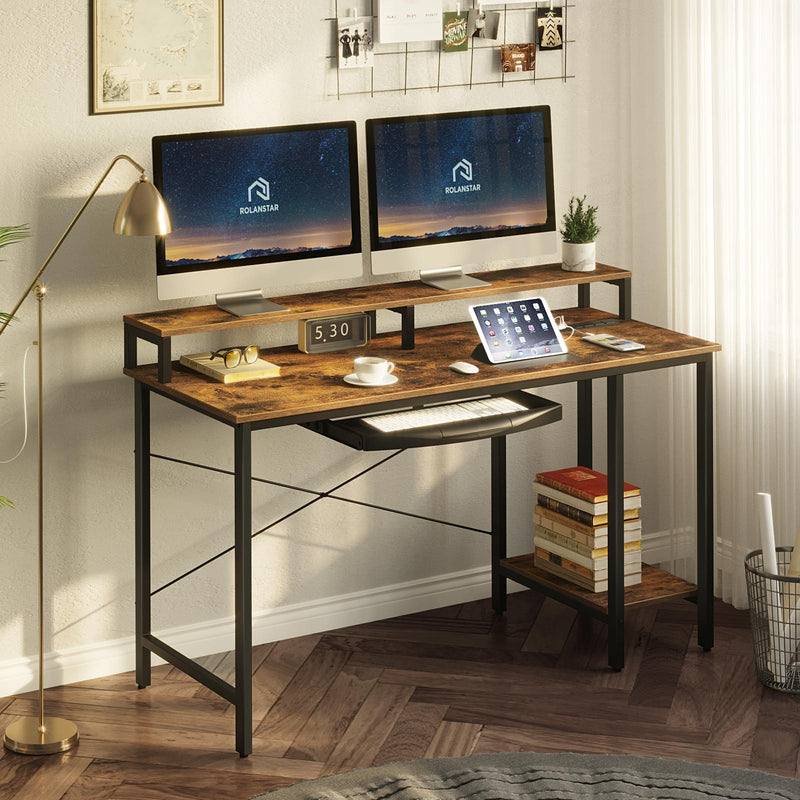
566 533
201 368
570 566
592 537
595 566
573 513
581 494
591 520
584 505
543 478
561 521
567 499
632 579
581 548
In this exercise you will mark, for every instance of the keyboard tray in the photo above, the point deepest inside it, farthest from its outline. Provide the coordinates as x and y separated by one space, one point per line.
356 433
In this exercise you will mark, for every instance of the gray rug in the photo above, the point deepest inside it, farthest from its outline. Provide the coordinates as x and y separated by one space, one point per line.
542 776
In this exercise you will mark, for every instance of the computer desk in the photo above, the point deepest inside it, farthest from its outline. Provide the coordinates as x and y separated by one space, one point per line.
310 388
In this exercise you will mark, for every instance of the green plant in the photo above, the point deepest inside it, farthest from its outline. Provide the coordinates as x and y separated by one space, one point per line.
579 224
10 234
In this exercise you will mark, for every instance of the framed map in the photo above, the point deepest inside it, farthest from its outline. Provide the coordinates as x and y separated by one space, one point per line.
151 54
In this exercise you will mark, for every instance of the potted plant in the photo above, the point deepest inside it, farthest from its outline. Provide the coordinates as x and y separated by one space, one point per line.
579 233
9 235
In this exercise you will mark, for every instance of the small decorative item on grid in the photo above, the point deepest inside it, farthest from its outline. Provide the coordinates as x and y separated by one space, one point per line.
454 31
483 24
518 57
550 26
356 42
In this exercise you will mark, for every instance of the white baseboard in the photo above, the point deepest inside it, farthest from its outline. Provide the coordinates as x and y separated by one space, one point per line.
216 636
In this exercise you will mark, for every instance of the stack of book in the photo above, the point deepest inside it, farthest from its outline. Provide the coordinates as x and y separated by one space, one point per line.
571 534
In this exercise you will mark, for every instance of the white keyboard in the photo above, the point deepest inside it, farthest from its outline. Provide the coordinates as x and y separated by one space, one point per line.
437 415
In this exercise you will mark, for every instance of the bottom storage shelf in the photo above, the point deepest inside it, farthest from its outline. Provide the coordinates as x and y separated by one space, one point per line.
657 586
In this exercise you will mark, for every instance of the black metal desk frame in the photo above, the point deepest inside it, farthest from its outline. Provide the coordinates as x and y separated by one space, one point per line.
240 694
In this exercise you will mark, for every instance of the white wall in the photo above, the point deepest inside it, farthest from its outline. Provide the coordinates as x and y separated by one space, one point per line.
606 144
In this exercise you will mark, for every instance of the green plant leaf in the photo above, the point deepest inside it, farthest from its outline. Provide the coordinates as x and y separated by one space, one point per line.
4 501
579 223
9 234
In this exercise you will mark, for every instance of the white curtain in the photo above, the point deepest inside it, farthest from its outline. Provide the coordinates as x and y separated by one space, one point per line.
733 160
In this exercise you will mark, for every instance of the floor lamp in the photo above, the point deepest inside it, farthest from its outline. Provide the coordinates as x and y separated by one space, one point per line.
141 213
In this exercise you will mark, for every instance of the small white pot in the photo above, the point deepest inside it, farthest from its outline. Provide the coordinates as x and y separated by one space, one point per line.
578 257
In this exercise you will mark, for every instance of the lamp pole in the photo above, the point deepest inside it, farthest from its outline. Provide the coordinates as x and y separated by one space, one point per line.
142 212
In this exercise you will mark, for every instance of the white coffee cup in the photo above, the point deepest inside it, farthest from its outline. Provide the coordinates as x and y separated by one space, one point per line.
370 369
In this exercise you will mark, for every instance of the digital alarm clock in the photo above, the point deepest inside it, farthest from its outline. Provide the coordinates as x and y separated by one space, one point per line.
325 334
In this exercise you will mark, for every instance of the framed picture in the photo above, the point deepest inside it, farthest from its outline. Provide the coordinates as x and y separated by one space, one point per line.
153 54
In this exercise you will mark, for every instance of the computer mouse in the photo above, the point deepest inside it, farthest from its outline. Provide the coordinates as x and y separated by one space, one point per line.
464 368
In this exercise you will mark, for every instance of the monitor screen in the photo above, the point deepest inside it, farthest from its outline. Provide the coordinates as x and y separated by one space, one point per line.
456 177
284 198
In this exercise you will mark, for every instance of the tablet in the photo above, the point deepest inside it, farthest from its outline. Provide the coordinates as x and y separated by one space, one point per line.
516 330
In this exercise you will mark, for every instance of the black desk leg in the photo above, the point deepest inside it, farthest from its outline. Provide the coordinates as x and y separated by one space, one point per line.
499 583
142 541
243 581
165 359
585 423
131 347
616 550
705 503
624 298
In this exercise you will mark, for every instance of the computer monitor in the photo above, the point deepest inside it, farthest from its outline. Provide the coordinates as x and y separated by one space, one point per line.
255 208
461 191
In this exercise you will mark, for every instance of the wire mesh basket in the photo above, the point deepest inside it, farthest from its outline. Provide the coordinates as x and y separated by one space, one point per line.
775 620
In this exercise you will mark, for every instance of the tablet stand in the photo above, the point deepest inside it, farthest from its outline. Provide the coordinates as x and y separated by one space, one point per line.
479 354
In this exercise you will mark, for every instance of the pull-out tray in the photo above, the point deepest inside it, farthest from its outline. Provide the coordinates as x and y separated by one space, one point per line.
356 433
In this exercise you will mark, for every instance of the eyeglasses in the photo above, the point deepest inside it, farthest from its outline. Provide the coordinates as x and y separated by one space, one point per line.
233 356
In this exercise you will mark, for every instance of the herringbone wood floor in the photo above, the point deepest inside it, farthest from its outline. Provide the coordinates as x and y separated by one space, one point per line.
449 682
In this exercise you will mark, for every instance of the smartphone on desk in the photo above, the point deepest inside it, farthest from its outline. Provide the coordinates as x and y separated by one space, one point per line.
613 342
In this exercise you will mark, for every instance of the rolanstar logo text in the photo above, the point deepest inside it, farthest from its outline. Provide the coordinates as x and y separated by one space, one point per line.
464 171
260 189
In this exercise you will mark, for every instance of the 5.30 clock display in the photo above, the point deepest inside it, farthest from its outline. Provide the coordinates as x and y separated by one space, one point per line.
325 334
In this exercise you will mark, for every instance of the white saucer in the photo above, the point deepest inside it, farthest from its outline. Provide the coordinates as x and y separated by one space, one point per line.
356 381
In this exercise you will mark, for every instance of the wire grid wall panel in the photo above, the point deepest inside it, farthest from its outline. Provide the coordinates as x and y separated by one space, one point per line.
423 66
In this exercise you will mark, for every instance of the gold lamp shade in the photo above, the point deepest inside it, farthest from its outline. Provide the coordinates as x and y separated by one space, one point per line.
142 211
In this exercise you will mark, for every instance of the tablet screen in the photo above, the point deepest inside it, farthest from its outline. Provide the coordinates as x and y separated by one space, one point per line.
514 330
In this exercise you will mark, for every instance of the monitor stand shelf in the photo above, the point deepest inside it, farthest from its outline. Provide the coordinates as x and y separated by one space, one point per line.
158 327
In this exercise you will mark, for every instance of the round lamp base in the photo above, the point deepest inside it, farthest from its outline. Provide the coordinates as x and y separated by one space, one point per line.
25 737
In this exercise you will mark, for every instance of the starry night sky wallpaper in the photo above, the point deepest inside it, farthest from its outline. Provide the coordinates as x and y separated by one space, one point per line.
205 183
414 163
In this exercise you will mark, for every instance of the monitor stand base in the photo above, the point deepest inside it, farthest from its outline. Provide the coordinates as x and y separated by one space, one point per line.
449 278
247 304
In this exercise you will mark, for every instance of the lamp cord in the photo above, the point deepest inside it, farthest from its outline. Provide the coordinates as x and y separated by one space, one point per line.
24 407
